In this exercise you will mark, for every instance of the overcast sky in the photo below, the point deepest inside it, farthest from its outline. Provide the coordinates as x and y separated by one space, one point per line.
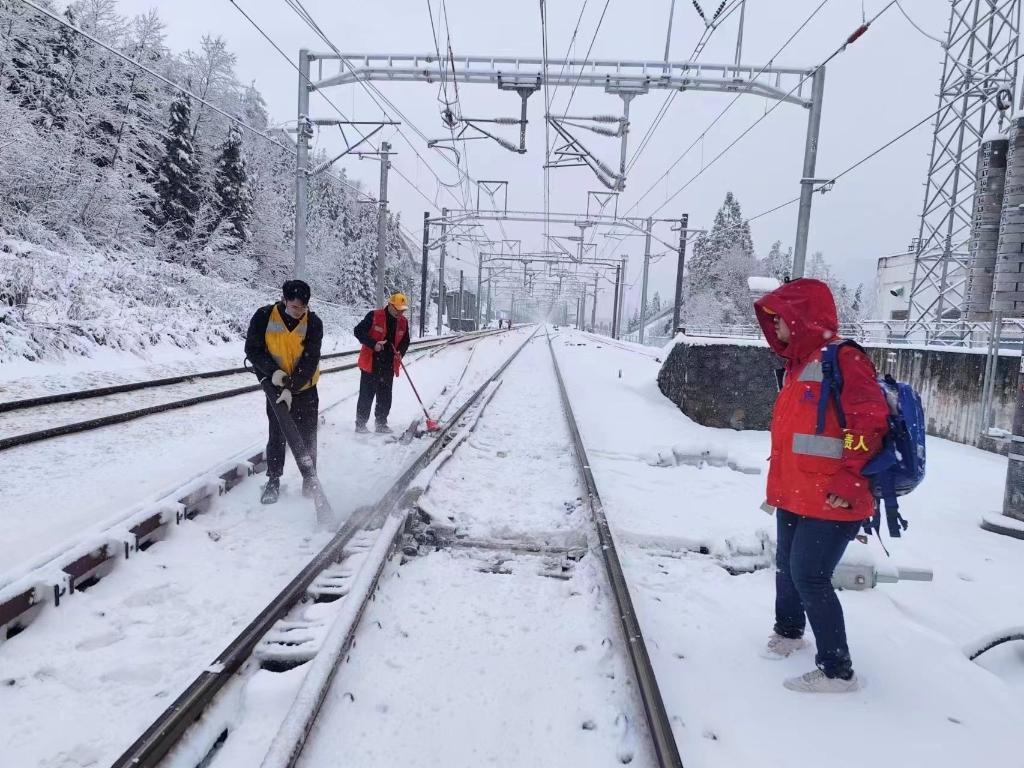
881 85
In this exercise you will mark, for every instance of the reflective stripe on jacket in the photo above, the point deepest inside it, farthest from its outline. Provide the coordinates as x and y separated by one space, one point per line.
805 466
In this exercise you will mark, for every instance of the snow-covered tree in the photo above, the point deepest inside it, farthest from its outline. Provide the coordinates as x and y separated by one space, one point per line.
779 264
729 233
234 198
177 180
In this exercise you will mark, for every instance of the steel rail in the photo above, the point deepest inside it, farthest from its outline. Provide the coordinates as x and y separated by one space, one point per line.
665 748
120 418
116 389
167 730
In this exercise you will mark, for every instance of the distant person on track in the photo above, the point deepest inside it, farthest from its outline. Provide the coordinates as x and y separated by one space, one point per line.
283 342
384 334
815 477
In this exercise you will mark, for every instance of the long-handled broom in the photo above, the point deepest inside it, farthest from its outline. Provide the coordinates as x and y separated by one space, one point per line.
432 426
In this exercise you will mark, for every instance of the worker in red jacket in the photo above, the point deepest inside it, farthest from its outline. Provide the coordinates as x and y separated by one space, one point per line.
384 335
815 480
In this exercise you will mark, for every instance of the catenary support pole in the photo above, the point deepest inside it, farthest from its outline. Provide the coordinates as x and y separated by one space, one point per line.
382 220
615 303
302 136
803 220
593 308
643 288
423 274
479 289
684 222
440 281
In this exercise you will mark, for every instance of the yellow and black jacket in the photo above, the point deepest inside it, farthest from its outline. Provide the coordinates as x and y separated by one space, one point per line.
275 340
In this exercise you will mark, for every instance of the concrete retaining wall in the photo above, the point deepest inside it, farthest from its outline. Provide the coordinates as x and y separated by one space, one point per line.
733 385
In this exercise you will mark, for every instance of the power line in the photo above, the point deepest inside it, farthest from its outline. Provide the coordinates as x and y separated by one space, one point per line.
731 104
568 50
916 26
705 36
593 39
850 39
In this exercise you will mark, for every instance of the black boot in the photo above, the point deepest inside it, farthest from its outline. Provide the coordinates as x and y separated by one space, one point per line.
307 487
361 428
271 491
383 428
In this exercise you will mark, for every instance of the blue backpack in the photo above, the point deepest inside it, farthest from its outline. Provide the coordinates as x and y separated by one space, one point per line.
899 466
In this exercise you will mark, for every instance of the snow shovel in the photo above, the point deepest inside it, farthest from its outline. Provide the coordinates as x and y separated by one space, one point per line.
432 426
324 514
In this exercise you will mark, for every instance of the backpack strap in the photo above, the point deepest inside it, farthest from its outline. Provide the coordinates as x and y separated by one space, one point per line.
832 382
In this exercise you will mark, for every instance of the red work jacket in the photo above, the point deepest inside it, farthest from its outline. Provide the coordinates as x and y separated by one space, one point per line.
806 467
379 332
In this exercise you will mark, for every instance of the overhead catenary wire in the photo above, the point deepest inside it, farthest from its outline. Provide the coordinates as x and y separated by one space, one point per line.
853 37
917 26
369 198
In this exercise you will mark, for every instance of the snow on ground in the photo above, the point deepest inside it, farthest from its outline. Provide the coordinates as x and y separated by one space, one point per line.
522 436
94 476
473 657
461 661
923 703
116 655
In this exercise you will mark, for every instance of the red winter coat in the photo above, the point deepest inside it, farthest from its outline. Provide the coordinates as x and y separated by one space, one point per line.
806 467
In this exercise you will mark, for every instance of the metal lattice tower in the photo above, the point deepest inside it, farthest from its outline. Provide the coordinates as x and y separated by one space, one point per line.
980 61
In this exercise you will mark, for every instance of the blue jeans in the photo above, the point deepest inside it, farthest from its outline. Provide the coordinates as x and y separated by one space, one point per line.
808 551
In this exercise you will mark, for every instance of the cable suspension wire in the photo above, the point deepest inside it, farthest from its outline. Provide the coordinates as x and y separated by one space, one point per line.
853 37
415 187
732 103
667 103
569 48
590 48
916 26
378 96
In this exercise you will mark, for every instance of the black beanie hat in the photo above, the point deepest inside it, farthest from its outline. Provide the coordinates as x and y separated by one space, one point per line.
296 289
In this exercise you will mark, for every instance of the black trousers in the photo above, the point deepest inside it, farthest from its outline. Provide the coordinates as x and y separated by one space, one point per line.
305 412
375 385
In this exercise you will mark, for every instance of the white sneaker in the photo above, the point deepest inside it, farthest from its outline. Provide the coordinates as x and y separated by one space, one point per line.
816 682
780 647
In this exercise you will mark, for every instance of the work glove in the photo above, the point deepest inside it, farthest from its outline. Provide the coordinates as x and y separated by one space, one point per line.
379 346
280 379
286 398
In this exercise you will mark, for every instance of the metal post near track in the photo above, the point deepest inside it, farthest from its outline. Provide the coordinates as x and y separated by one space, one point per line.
382 220
440 283
303 133
424 274
803 219
643 290
684 222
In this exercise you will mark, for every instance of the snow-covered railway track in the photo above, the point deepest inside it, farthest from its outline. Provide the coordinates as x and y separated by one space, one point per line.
492 640
324 577
80 561
31 420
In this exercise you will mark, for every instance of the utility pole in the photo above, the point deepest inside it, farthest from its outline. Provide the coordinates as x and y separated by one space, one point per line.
593 307
582 310
461 300
479 288
490 281
302 137
440 283
382 220
803 221
622 296
615 302
684 222
423 274
643 290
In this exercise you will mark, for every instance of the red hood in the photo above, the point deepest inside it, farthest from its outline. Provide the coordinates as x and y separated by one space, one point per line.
809 310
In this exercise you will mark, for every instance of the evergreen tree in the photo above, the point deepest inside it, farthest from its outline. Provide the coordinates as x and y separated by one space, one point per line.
177 176
729 233
234 198
778 264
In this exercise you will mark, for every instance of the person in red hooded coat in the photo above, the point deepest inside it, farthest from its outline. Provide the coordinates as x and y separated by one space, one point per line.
815 480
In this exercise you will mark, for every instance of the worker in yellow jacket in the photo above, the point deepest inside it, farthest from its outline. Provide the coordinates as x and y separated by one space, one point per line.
283 342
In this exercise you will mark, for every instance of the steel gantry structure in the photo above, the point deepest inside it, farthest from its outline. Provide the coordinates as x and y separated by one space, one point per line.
980 63
626 79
